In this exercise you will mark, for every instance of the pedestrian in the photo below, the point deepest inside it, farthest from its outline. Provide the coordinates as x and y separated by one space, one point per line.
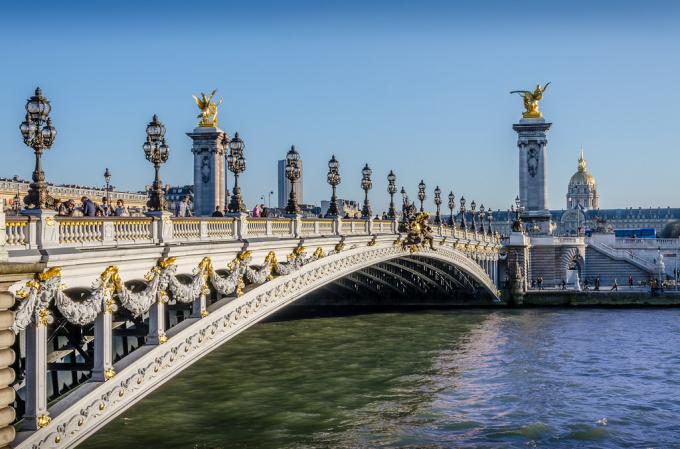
218 212
586 284
630 281
60 208
120 210
256 211
105 208
88 207
615 286
265 212
533 283
182 208
597 283
564 285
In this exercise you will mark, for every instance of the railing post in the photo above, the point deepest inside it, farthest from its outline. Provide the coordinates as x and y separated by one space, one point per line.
296 225
3 236
203 229
338 225
108 232
352 226
240 225
47 228
103 346
157 322
395 225
36 415
162 228
269 228
317 229
368 225
198 308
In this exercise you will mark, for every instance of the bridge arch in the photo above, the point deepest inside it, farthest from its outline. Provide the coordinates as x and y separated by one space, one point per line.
94 404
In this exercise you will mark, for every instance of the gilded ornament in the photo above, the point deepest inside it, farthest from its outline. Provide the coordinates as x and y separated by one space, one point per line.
109 374
208 107
162 338
204 313
318 253
49 221
167 262
43 317
42 421
240 286
531 100
49 274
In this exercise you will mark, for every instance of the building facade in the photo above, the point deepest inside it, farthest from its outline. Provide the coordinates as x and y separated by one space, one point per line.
582 188
13 191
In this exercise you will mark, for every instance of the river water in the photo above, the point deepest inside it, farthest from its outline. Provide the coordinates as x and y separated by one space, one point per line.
544 378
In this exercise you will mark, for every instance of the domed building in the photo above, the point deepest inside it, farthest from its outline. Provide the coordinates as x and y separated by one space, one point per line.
582 190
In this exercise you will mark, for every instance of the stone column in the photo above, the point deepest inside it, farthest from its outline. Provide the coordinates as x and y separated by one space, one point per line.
533 172
209 188
11 273
103 347
157 322
198 307
3 236
47 228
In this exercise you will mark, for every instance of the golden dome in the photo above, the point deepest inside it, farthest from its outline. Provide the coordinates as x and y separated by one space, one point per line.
582 176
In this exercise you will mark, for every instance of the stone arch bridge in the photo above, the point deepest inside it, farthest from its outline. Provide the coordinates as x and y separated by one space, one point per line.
125 304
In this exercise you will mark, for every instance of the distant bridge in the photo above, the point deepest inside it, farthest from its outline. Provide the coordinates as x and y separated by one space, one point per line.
127 303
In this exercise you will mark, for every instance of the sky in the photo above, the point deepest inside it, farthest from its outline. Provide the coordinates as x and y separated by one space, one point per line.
421 88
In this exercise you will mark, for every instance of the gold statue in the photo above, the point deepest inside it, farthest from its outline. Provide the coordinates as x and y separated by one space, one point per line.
531 100
208 109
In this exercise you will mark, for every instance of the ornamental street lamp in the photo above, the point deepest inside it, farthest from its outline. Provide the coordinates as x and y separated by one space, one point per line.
438 203
293 173
463 223
489 220
391 189
452 205
107 179
421 194
38 134
333 179
156 152
236 163
473 206
366 185
482 217
404 198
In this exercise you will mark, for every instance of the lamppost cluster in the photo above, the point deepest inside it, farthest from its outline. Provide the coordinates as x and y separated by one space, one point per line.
156 152
333 179
366 185
293 173
236 162
38 134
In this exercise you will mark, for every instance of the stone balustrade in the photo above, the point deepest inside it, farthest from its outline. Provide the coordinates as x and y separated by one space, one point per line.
30 232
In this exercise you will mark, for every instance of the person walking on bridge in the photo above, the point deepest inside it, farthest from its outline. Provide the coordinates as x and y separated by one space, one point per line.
182 209
630 281
615 286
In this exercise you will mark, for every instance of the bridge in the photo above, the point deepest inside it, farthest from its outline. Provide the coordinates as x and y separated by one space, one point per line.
124 304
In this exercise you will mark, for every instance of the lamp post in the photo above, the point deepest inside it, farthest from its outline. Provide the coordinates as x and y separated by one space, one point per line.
482 217
438 203
366 185
463 223
293 173
517 224
421 194
473 206
452 205
156 152
333 179
391 189
107 179
236 163
38 134
404 198
489 221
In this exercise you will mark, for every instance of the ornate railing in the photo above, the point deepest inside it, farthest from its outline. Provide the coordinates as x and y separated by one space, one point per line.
17 232
50 231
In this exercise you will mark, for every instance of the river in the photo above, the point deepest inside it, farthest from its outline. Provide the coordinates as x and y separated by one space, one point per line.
533 378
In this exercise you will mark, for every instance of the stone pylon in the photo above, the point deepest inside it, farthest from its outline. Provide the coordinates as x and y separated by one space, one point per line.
533 173
209 170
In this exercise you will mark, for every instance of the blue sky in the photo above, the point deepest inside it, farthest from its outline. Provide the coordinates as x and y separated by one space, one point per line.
418 87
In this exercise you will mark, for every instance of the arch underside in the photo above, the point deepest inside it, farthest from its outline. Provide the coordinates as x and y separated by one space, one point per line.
411 280
374 273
